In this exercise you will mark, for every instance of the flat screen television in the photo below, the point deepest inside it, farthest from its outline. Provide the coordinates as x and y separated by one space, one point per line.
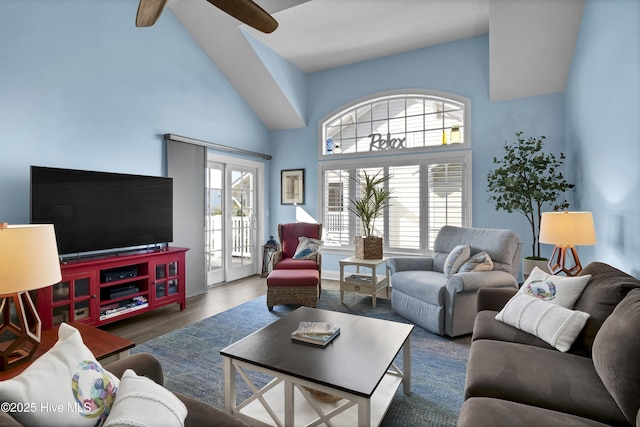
99 211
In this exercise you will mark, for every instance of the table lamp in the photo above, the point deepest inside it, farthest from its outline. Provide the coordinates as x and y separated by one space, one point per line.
566 230
28 261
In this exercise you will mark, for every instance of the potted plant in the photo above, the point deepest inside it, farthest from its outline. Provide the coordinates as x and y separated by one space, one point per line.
374 197
527 180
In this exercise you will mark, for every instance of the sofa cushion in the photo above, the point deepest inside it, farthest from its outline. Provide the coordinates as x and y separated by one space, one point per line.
554 324
200 413
455 259
420 313
426 286
494 298
615 354
539 377
482 411
560 290
66 376
294 277
144 364
296 264
607 287
479 262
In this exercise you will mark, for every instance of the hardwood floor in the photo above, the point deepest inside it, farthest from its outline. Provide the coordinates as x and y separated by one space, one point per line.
219 298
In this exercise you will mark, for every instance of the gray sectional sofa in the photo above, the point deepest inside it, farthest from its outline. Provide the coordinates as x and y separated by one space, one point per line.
514 378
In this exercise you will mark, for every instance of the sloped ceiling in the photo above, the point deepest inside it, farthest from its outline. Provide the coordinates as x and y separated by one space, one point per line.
531 42
531 45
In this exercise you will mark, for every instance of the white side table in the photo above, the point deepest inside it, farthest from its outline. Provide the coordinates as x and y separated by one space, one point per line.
367 283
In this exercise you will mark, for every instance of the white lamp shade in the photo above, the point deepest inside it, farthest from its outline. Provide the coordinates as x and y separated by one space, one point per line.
28 258
567 228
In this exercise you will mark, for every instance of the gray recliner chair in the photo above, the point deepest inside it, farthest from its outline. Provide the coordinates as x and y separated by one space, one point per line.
422 294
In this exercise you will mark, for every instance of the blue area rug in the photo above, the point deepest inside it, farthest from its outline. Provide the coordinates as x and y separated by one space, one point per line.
192 364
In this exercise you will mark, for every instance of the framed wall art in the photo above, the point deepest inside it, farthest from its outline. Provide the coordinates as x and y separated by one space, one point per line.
292 187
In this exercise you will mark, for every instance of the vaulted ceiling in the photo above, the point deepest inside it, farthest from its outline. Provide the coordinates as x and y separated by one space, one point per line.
531 42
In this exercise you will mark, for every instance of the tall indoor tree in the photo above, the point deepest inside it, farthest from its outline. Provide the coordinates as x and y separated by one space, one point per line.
528 180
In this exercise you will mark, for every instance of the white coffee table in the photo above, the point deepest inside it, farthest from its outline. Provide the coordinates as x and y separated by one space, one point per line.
356 366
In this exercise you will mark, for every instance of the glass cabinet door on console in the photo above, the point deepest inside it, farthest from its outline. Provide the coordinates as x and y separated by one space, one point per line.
72 300
167 282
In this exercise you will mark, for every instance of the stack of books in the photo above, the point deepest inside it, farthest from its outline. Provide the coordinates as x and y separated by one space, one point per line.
317 333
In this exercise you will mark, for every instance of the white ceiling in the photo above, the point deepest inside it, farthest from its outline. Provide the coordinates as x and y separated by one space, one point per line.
322 34
531 41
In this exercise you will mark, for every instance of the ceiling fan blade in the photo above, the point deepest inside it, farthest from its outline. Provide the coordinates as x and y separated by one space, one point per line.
247 12
148 12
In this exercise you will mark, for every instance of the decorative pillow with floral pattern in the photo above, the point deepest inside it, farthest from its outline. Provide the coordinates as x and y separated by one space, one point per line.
65 386
560 290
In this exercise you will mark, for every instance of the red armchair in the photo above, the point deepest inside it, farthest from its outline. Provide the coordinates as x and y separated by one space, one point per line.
288 234
294 281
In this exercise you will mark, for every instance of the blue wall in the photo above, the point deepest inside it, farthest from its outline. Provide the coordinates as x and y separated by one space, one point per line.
291 80
81 87
461 68
603 129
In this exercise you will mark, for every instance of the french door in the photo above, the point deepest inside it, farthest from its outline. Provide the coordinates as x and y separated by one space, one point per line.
232 220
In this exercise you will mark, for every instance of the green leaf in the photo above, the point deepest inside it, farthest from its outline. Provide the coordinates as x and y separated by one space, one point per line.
526 180
374 198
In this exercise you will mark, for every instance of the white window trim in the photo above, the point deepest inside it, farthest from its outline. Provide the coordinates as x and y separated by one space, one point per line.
464 156
466 145
456 152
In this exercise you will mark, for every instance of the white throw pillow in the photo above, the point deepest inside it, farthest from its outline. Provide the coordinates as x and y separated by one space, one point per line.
479 262
552 323
143 402
560 290
307 248
65 386
455 259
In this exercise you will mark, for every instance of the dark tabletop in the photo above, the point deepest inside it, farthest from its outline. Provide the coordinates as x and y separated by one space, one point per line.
355 361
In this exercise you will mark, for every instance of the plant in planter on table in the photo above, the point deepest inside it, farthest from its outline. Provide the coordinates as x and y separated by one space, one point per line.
374 198
527 180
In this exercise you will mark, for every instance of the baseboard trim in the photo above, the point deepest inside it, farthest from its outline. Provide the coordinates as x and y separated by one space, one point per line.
330 275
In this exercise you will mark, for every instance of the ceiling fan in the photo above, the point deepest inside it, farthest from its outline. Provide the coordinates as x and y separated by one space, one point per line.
244 10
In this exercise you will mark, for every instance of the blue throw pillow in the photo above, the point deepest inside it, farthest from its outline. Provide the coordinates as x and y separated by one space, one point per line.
479 262
307 248
455 259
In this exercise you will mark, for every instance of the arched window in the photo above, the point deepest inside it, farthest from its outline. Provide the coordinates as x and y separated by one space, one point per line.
421 141
395 122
